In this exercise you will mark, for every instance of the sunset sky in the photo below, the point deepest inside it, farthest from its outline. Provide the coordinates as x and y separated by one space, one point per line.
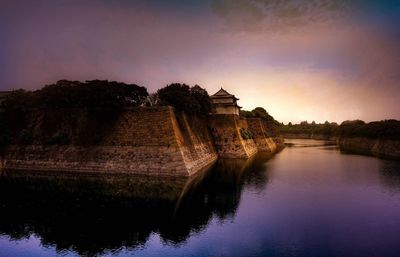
301 60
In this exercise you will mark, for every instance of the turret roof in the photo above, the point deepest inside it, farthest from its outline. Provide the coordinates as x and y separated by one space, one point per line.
223 93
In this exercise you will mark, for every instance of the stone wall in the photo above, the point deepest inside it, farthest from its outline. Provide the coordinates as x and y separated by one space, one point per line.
151 141
308 136
263 141
384 148
227 137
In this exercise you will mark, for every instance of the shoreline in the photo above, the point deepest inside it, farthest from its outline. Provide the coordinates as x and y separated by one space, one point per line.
381 148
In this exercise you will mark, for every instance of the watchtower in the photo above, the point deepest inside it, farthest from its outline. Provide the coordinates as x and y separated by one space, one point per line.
225 103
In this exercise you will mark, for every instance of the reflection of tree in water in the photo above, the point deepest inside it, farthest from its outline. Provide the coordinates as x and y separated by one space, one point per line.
95 215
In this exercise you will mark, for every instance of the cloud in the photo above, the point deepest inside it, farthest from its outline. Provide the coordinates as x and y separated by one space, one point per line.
277 15
319 68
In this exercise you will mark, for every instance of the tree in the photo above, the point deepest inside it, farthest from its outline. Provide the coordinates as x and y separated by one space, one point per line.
92 94
192 100
176 95
18 101
247 114
260 112
201 99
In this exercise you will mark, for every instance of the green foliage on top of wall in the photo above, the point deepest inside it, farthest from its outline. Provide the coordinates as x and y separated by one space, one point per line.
191 100
75 94
259 112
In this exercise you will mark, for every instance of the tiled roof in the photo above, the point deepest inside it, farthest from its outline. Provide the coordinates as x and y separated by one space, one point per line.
222 92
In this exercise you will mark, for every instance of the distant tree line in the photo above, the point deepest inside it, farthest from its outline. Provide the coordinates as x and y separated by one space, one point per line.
387 129
326 129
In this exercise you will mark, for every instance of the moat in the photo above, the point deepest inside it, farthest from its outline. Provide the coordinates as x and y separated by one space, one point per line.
308 200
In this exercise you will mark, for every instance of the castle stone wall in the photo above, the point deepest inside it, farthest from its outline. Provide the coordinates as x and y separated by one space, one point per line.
259 129
227 137
151 141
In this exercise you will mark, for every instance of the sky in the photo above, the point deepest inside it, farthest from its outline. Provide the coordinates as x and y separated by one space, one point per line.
312 60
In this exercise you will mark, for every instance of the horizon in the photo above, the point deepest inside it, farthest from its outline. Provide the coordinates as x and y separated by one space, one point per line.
322 61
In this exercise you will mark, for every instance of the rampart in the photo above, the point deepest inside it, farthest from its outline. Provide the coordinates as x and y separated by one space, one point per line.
228 131
146 140
151 141
262 140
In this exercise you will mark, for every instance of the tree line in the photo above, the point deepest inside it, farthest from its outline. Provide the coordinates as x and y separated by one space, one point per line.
102 99
386 129
99 94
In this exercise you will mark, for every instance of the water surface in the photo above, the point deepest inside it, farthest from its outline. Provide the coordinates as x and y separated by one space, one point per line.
308 200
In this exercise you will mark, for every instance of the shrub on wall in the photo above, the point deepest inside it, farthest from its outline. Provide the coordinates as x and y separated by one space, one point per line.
246 134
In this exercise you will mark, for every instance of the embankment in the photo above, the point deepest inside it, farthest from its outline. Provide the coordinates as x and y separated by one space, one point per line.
150 141
308 136
384 148
238 137
228 133
264 142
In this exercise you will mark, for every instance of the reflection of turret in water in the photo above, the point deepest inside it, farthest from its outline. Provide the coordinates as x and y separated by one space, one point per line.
98 214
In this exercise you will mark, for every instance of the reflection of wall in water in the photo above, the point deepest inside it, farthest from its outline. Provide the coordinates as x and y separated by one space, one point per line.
93 215
221 190
390 175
